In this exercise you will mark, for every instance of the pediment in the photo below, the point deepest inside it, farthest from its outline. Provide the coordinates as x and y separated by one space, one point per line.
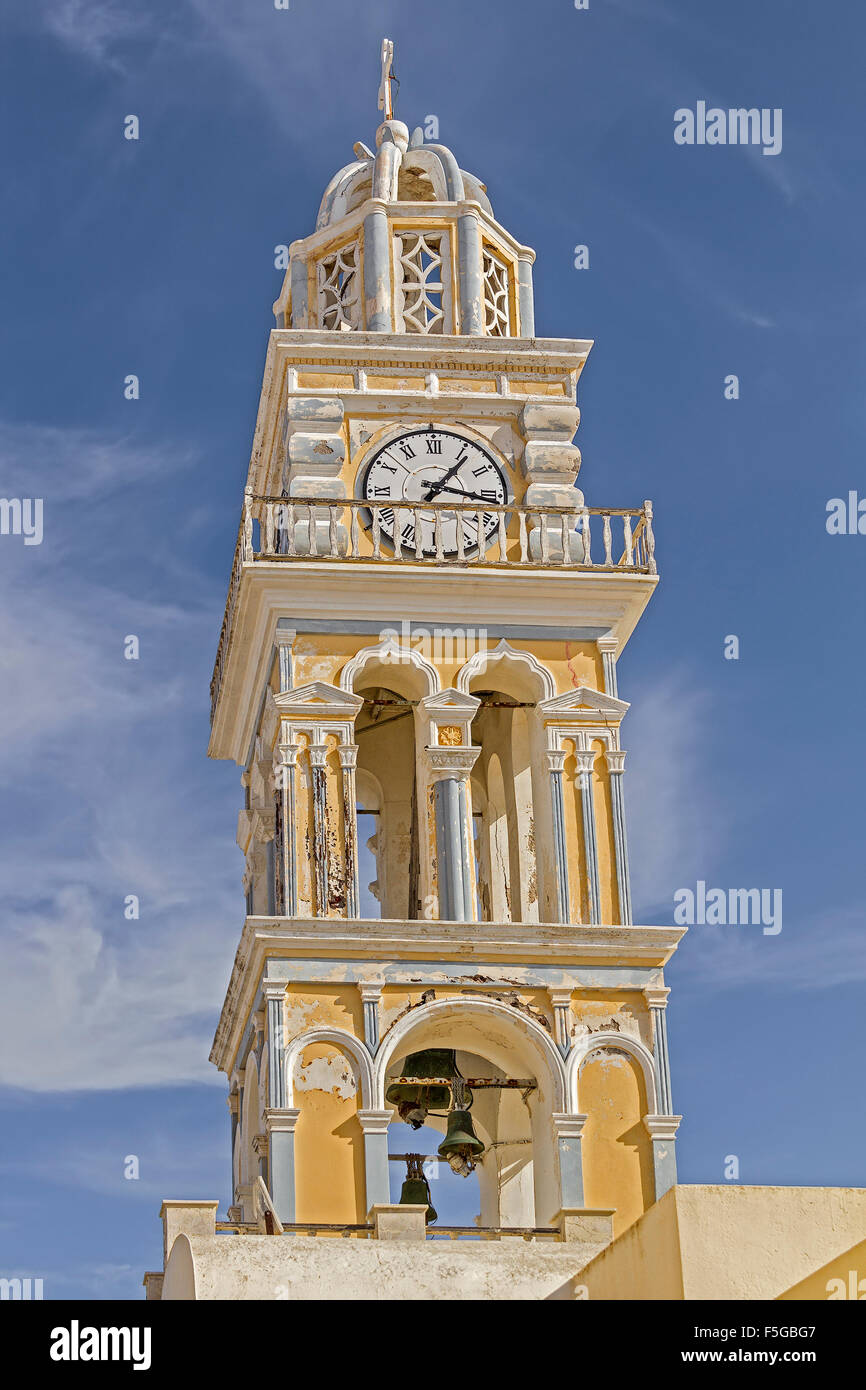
318 698
450 701
583 702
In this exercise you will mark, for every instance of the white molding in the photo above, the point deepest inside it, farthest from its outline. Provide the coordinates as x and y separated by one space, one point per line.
389 651
584 703
317 700
662 1126
480 662
587 1043
340 1039
465 1005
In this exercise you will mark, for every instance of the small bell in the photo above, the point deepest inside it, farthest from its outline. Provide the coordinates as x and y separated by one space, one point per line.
416 1189
461 1145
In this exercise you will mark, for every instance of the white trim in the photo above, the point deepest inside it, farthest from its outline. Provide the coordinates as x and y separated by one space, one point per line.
480 662
623 1042
460 1008
389 651
340 1039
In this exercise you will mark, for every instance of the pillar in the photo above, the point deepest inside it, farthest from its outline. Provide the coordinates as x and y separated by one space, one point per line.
377 269
348 762
284 640
374 1124
662 1130
450 767
280 1124
525 295
657 999
284 773
609 646
615 758
585 761
469 270
568 1130
555 761
318 758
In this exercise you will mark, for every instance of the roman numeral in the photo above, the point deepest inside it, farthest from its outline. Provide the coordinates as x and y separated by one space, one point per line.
383 491
386 515
387 466
408 534
434 446
479 472
407 451
489 493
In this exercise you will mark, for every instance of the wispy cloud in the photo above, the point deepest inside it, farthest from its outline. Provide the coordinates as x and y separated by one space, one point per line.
108 793
94 29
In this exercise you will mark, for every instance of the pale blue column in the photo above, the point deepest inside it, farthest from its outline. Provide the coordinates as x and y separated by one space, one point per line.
662 1130
450 849
568 1130
275 996
555 761
374 1124
281 1160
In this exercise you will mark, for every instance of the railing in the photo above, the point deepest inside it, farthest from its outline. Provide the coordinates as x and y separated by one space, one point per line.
601 539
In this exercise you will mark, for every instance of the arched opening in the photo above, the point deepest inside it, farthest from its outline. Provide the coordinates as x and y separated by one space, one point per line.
518 1177
329 1150
387 804
503 785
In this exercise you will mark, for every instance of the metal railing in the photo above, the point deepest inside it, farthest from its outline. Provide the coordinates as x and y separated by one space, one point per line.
352 531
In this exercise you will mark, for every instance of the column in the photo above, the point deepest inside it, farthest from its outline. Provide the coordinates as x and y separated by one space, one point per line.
348 762
318 756
284 640
585 762
662 1130
374 1124
370 996
377 270
609 646
615 758
451 766
469 271
657 999
233 1103
284 772
555 762
525 295
274 992
280 1124
561 1002
567 1131
300 291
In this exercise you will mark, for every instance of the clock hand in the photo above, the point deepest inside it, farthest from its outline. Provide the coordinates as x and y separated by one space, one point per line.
437 487
473 496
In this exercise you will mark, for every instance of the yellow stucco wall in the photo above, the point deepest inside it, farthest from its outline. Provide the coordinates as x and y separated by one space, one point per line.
617 1151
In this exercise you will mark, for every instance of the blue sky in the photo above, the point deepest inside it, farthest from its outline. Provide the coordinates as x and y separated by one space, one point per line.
156 258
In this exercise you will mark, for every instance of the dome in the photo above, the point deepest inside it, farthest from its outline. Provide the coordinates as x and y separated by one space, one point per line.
406 242
410 171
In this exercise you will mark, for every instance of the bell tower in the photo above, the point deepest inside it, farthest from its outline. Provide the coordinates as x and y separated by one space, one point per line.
417 675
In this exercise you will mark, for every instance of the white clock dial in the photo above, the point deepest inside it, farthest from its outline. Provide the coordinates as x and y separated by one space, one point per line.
439 467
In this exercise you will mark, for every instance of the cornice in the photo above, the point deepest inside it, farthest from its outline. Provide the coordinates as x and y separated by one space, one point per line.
552 944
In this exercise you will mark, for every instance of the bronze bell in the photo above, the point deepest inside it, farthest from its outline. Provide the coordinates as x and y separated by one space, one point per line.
412 1100
416 1189
461 1145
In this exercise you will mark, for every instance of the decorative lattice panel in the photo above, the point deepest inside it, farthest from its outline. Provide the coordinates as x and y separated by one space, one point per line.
497 314
339 289
423 265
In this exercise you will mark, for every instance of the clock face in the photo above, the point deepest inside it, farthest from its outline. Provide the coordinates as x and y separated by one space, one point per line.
439 467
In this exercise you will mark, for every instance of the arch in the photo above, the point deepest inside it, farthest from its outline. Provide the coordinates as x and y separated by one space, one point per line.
529 678
423 676
515 1044
439 1010
623 1042
339 1038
